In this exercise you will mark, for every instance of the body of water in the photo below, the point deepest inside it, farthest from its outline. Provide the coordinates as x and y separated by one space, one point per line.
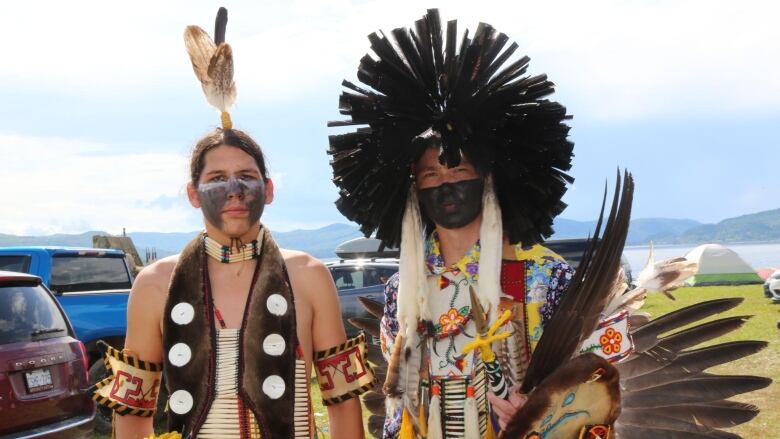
757 255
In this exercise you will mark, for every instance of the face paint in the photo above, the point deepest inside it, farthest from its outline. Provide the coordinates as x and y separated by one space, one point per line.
453 205
217 196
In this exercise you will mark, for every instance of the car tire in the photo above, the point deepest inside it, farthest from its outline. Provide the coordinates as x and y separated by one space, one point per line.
102 414
103 423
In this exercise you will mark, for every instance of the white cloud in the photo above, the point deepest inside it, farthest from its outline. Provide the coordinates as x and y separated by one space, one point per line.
56 185
612 58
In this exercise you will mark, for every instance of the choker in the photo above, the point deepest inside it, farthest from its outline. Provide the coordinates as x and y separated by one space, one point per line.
236 252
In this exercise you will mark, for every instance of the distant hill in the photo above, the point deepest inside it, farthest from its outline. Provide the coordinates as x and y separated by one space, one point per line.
78 240
641 231
321 243
761 226
644 230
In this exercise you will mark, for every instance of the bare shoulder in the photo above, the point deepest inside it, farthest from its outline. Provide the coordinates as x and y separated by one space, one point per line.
307 273
151 284
300 261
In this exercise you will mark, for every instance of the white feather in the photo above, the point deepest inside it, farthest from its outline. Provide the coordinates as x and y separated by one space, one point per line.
665 275
491 238
413 282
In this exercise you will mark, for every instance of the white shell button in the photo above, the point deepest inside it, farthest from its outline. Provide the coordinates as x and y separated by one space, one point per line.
182 313
273 386
277 304
180 402
180 354
274 345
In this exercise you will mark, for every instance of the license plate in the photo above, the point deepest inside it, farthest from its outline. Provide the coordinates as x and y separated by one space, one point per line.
38 380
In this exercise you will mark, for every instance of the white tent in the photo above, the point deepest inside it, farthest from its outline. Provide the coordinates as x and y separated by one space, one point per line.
719 265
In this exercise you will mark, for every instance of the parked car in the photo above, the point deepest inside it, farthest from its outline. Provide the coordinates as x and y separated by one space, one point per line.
92 285
360 278
43 367
772 287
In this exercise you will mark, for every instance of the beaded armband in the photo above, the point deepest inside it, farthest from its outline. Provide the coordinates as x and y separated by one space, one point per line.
343 371
131 385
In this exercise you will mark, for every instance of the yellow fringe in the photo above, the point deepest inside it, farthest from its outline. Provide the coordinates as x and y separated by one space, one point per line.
407 429
423 421
490 434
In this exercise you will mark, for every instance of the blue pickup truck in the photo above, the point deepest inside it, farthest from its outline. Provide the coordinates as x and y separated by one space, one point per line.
91 284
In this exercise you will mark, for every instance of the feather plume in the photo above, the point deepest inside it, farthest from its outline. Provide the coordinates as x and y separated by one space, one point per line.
374 354
395 369
491 241
701 333
588 293
665 275
632 432
220 26
376 425
666 352
221 91
375 403
411 378
645 363
637 320
376 309
201 48
371 326
696 390
654 420
718 414
212 62
694 362
616 296
647 336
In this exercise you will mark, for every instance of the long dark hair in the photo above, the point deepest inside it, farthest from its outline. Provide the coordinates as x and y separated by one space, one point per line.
235 138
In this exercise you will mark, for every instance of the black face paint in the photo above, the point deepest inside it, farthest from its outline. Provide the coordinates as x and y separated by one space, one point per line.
215 197
453 205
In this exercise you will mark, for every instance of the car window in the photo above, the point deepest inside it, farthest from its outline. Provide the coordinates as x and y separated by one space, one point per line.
380 275
18 263
73 273
27 313
347 278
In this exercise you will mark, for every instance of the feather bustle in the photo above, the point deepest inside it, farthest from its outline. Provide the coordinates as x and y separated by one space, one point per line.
587 297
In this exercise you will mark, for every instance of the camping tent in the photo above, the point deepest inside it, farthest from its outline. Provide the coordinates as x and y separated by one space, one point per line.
719 265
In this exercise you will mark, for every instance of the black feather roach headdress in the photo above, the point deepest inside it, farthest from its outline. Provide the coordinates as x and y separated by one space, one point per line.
470 97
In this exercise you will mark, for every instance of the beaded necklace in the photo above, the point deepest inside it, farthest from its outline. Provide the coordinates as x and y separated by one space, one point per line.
236 252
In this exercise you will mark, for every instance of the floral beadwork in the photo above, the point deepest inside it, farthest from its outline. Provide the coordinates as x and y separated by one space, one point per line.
452 322
610 341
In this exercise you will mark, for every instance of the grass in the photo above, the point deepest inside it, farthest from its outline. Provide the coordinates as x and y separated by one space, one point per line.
763 326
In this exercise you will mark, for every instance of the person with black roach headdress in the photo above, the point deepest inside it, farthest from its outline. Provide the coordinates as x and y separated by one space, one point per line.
461 159
233 323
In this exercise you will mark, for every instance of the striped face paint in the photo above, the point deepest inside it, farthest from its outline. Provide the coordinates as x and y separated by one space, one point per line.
233 194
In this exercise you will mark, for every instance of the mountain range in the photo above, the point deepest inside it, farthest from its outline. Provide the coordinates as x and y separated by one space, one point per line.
762 226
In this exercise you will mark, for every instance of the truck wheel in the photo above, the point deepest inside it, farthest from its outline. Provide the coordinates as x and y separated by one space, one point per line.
102 414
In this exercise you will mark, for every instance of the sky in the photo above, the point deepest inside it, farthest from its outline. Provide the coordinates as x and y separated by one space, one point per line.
99 107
